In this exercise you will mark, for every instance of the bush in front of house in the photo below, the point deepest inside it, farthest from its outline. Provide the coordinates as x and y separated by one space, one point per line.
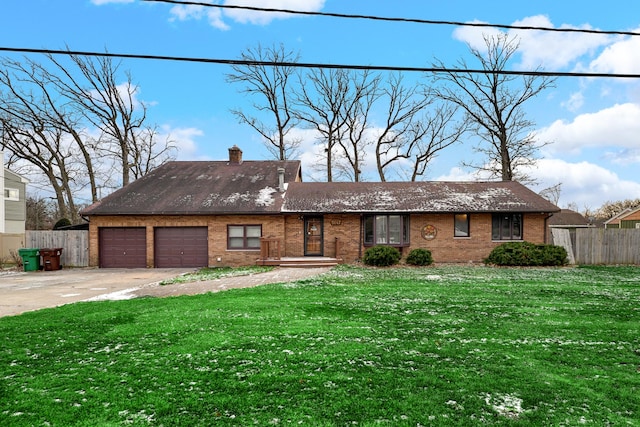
419 257
381 256
527 254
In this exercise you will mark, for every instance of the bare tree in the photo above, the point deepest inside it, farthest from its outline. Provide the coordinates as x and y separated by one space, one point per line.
493 103
411 133
41 214
437 130
149 152
552 193
47 105
92 86
49 113
272 84
332 101
352 137
29 139
610 209
29 134
322 98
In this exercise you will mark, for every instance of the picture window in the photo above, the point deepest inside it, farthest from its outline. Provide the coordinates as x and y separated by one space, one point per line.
506 226
390 230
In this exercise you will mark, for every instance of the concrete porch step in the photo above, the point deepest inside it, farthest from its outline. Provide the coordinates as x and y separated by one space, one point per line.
300 262
309 265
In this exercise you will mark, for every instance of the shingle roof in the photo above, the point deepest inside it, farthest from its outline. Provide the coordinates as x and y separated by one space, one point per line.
428 197
219 187
201 187
568 217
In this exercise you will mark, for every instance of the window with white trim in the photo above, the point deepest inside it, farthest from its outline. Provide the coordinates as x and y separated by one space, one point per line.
12 194
244 237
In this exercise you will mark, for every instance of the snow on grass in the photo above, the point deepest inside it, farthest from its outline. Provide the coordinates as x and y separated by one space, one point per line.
505 405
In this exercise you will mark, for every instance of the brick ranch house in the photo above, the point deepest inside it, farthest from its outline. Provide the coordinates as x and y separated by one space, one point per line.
232 213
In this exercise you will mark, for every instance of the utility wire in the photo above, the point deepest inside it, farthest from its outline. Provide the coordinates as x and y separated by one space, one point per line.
391 19
316 65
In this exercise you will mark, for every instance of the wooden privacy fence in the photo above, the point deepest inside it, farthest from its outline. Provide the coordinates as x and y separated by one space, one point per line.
607 246
74 244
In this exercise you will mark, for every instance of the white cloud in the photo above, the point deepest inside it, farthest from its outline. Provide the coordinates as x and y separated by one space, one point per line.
474 36
583 183
215 15
188 12
460 174
263 18
550 50
617 126
575 102
554 50
184 139
620 57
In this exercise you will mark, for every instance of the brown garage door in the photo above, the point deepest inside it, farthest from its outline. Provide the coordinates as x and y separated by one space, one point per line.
181 247
123 247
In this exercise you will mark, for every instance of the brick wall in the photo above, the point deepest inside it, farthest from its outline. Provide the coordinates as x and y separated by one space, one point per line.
345 227
444 247
219 255
447 248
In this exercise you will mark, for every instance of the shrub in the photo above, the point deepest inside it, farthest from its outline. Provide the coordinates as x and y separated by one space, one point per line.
420 257
15 257
62 222
527 254
381 256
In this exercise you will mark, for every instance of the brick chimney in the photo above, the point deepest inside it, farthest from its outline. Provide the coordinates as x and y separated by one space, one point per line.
235 155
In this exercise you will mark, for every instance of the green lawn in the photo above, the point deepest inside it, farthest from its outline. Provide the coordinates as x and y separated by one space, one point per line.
409 347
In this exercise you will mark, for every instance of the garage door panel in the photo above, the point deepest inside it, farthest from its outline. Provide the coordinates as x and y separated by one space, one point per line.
181 247
123 247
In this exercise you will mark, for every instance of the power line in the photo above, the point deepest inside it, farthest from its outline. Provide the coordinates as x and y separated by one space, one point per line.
392 19
316 65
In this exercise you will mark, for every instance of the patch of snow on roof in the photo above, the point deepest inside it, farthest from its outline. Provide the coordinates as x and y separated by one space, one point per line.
256 178
265 197
209 201
184 200
234 198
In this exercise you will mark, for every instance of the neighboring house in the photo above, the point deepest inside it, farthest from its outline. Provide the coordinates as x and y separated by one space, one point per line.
13 212
568 219
628 218
237 212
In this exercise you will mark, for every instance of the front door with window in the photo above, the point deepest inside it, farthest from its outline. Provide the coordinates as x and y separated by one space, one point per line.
313 236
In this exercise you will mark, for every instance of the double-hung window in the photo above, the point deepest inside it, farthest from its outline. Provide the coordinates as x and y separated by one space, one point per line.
244 236
506 226
390 230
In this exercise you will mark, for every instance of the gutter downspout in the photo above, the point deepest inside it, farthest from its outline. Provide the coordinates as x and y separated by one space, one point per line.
360 240
546 228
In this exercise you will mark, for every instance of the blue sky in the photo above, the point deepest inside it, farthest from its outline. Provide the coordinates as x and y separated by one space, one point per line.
593 124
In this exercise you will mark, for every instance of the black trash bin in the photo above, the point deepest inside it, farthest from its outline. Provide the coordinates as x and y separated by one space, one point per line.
51 258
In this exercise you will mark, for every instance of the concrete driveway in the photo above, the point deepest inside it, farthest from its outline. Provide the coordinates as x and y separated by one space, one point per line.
26 291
